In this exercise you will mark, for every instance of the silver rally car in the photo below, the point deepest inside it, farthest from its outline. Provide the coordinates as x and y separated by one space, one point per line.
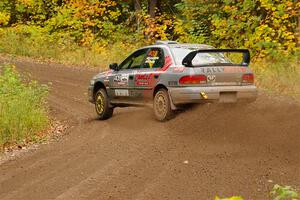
171 75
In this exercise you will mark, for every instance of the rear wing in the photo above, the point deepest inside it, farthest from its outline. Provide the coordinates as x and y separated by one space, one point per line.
187 61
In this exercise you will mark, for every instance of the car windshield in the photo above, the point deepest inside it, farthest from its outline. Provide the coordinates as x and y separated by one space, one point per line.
200 58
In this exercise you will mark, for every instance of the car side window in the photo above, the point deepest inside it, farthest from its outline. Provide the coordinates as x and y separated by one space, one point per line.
154 58
134 60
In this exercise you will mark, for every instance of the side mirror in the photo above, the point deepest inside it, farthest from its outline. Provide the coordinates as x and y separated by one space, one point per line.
114 66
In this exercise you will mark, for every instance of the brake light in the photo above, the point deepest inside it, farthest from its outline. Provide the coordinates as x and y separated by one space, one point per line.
194 79
248 78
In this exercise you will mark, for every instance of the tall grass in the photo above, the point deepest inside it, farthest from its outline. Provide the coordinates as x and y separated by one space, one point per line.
280 75
23 112
39 43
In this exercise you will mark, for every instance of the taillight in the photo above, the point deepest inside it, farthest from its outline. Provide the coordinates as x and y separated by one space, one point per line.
193 79
248 78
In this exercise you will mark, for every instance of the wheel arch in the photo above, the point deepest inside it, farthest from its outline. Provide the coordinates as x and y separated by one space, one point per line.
98 85
158 87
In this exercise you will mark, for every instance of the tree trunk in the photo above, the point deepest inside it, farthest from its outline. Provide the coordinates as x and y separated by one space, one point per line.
137 5
13 18
152 6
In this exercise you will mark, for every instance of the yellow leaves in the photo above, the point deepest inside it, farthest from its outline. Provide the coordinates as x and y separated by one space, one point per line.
288 35
26 2
271 29
88 38
158 27
4 18
266 4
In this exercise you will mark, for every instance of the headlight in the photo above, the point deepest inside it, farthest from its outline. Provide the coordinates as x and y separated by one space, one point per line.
92 82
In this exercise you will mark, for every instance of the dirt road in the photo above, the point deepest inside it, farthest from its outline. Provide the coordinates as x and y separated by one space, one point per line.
207 151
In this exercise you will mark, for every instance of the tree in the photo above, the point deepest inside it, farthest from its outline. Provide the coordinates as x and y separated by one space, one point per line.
137 5
152 6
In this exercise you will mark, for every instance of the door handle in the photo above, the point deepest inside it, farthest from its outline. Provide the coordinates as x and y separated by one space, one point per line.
156 76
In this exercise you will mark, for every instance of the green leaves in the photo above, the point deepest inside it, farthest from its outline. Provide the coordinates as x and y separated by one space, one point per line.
221 23
284 193
263 26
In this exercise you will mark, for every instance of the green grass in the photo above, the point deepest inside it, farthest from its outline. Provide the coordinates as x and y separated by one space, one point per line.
38 43
278 192
281 76
23 110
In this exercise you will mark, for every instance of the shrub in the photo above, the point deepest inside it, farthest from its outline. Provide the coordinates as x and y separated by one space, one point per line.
284 193
23 112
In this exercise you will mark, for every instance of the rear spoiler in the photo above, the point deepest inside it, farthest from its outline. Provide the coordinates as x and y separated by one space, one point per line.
187 61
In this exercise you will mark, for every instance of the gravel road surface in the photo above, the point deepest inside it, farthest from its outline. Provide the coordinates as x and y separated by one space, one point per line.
206 151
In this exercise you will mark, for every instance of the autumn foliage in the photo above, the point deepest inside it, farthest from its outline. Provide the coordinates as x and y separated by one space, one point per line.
265 27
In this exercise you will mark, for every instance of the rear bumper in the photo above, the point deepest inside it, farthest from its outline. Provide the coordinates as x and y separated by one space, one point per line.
183 95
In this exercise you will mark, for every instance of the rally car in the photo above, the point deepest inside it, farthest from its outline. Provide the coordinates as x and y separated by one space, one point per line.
169 75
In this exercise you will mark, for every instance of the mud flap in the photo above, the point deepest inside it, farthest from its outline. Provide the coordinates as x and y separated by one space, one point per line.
173 107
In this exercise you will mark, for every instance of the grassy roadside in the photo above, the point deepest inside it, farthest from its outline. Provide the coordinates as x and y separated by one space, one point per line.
23 110
280 76
37 43
277 193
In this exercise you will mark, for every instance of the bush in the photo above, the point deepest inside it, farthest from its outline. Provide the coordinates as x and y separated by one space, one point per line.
264 27
23 112
284 193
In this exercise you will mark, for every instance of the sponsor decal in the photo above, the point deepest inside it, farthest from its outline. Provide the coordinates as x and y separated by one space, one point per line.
143 79
211 78
151 61
152 57
121 93
168 63
121 79
209 70
153 53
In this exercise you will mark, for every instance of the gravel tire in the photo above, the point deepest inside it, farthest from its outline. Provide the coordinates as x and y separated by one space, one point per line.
103 110
162 105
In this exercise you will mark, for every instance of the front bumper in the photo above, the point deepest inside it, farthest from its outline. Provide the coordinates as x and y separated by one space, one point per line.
183 95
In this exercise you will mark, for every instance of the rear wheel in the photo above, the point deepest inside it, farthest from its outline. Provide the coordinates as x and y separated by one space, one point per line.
162 105
103 110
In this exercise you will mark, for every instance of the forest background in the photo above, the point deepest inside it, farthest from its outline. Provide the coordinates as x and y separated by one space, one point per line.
99 32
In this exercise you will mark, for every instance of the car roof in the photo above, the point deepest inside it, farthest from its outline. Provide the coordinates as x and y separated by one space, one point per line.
174 44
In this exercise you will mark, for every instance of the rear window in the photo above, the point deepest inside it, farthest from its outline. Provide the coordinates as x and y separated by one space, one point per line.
201 58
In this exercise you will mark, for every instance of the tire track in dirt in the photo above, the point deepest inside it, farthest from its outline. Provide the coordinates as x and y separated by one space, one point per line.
206 151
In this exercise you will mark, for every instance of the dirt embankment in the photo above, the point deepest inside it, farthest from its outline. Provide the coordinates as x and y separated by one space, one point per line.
206 151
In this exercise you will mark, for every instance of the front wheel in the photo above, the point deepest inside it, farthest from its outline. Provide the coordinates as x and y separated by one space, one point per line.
162 105
103 110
